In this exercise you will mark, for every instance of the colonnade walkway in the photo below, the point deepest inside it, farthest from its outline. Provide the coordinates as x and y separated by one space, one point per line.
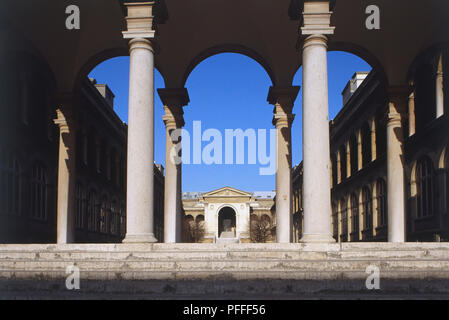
211 271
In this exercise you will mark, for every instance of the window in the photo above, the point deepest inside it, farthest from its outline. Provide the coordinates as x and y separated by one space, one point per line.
367 208
104 215
39 193
354 218
425 187
425 97
114 225
92 216
122 220
11 185
366 144
79 206
382 209
344 220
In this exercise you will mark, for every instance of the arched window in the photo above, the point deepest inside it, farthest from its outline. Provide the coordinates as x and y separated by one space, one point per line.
92 219
366 144
354 218
382 210
425 187
425 98
344 220
367 204
39 192
335 221
11 185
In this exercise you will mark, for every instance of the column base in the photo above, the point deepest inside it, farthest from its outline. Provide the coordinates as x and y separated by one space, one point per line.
317 238
140 238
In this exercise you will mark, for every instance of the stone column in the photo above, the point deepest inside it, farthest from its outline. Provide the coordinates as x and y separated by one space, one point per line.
397 107
372 125
66 172
283 100
348 159
173 100
439 88
140 175
411 114
359 150
339 177
316 153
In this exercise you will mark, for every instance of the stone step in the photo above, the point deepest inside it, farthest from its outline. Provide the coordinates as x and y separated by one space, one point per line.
224 254
255 265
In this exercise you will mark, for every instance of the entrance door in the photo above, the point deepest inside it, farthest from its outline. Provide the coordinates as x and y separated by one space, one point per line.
226 222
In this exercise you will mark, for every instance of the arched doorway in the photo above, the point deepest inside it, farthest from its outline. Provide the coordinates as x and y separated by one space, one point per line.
226 223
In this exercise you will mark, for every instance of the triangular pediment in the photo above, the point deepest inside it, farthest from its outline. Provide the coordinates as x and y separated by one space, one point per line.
227 192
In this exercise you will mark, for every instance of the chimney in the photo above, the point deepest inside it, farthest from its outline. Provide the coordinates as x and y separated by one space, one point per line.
105 92
352 85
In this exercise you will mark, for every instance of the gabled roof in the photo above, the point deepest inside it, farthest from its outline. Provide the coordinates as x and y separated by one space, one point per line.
226 192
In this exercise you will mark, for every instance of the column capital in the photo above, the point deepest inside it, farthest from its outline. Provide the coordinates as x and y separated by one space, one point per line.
65 113
397 102
174 99
283 99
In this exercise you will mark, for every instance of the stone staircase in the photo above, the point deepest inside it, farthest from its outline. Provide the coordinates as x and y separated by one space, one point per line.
217 271
227 237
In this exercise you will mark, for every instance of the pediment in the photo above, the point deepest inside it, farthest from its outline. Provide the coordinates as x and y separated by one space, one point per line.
227 192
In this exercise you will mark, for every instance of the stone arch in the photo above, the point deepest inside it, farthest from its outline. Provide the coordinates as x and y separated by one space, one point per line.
358 51
100 57
421 74
229 48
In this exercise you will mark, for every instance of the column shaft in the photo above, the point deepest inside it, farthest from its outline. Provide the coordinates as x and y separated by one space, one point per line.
439 88
411 114
283 182
395 170
283 100
140 175
316 151
174 100
66 175
171 198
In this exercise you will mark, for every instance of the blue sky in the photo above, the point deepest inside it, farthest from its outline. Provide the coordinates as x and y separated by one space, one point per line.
228 91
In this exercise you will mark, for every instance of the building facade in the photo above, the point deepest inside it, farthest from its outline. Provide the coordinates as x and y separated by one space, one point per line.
229 214
359 169
29 160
